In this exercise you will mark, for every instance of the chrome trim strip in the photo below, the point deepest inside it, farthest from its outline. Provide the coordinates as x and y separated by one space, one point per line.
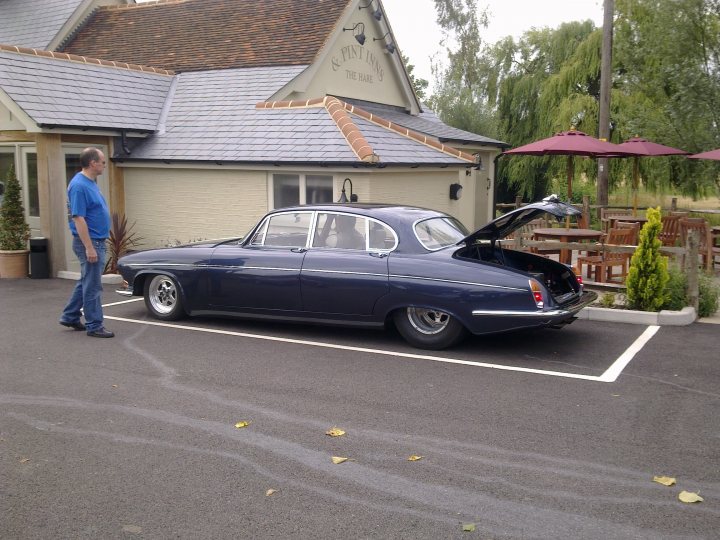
343 272
553 313
157 265
461 282
124 292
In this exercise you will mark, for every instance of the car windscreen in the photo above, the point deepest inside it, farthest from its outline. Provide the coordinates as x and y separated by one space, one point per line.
439 232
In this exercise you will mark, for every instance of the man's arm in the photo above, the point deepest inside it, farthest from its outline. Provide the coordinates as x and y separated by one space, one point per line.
84 234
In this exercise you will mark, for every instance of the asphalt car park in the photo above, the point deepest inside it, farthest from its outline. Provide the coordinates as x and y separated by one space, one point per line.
519 434
572 354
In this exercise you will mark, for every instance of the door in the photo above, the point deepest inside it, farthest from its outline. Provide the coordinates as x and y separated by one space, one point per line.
29 181
264 273
345 271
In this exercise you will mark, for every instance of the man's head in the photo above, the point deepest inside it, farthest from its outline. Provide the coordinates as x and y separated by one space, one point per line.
92 161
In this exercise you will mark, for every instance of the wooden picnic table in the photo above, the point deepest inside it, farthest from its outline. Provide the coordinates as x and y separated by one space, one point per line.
564 234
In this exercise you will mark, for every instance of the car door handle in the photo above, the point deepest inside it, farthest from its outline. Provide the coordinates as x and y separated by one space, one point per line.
378 254
299 250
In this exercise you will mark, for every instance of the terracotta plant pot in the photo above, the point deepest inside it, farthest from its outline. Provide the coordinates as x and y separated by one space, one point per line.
14 264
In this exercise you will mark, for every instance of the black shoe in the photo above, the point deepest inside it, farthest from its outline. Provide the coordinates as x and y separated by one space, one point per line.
77 325
100 332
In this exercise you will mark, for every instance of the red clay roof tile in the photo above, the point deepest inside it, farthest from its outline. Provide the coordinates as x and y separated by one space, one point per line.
195 35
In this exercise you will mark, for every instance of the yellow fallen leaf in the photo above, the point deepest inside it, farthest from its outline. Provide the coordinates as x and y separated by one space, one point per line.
24 460
338 460
468 527
664 480
689 497
270 492
415 458
335 432
242 424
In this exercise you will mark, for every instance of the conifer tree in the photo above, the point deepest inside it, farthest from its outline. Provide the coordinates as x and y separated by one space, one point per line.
14 230
648 274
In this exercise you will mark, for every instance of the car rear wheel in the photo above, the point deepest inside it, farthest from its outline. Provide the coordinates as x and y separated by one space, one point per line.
162 298
428 328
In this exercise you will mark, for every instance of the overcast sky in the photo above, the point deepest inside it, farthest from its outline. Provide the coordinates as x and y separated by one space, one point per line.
413 23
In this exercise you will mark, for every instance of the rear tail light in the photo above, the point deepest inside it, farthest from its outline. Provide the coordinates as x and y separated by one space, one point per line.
536 290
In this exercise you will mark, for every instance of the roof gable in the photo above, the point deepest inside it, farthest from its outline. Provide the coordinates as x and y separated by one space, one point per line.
195 35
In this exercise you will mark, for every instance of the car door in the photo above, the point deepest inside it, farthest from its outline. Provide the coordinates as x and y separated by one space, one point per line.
345 270
263 273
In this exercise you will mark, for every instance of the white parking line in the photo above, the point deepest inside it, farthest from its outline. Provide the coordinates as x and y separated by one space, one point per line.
610 375
614 371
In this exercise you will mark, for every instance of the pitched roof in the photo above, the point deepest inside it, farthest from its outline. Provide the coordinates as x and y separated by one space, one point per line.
73 92
426 122
232 127
194 35
34 23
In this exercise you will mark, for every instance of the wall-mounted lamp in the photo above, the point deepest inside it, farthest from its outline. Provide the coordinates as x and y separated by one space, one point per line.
343 198
377 13
455 192
359 34
389 47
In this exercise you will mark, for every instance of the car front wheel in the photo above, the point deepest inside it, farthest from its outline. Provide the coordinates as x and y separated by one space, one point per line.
428 328
162 298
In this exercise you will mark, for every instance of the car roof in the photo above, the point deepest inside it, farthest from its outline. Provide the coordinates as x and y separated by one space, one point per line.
390 213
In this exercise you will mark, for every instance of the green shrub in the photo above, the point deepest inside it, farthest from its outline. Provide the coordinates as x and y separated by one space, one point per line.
709 294
648 274
608 300
675 290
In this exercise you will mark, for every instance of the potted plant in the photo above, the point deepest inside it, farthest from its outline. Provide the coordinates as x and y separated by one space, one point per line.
14 231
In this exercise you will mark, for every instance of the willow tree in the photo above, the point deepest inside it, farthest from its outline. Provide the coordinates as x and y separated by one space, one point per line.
667 78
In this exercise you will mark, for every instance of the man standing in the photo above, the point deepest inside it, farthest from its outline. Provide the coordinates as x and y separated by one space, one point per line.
90 226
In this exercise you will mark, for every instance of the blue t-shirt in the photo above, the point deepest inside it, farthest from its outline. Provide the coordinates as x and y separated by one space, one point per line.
86 200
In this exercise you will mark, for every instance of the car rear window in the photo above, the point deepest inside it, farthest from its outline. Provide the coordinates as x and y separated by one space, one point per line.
440 232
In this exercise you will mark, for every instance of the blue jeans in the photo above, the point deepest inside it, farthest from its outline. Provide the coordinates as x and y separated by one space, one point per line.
87 294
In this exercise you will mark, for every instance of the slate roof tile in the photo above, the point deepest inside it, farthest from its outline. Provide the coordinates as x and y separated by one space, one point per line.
235 33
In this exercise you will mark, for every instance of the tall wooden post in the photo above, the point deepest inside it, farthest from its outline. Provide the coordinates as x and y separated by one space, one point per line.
605 85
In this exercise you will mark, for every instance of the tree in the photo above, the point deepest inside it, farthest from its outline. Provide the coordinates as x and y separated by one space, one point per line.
419 85
14 230
648 274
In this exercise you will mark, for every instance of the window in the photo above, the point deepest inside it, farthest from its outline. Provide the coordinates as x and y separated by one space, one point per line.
294 189
284 230
33 202
437 233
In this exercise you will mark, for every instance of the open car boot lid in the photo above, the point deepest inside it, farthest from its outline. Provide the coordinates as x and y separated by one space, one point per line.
513 220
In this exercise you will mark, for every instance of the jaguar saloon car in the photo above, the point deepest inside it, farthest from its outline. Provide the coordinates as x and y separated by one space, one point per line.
366 265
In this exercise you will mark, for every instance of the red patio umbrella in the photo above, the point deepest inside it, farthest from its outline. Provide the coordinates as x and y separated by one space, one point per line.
712 154
570 143
642 147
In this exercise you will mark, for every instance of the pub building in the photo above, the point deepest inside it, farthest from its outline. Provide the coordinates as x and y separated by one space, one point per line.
215 111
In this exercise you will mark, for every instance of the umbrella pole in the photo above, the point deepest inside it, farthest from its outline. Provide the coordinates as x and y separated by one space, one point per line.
570 173
636 181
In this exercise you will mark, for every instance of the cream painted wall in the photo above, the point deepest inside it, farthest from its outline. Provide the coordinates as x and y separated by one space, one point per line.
182 205
351 70
8 121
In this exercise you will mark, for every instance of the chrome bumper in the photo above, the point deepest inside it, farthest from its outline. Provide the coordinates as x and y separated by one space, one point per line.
587 298
124 292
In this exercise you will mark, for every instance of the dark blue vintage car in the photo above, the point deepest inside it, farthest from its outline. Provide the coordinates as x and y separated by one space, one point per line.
368 265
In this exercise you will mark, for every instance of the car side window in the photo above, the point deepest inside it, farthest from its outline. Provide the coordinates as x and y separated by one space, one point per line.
381 237
341 231
287 230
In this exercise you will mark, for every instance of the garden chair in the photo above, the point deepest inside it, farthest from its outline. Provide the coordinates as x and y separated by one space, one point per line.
670 229
602 264
705 249
605 214
634 227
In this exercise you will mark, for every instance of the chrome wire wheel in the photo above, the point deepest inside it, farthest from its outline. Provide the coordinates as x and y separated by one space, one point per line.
163 295
428 321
